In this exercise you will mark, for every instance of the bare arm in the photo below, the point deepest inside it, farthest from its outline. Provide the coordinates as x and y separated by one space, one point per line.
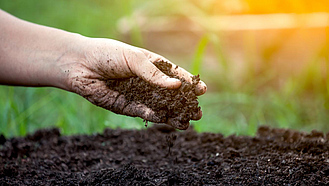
30 54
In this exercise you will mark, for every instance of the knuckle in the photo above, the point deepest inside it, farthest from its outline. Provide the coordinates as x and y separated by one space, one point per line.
119 104
133 56
134 60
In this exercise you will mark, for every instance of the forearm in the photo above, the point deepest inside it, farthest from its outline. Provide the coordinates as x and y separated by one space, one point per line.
34 55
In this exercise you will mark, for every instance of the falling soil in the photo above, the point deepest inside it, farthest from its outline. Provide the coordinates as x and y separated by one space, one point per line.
179 105
160 155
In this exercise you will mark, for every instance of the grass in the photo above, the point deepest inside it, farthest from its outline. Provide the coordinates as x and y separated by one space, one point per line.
301 103
26 109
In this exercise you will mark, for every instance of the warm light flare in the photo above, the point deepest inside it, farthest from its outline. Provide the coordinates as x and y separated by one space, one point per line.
287 6
216 7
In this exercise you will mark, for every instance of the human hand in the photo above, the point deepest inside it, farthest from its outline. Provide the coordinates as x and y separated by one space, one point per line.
104 59
35 55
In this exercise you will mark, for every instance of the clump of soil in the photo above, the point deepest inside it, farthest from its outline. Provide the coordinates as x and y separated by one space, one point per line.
178 105
161 155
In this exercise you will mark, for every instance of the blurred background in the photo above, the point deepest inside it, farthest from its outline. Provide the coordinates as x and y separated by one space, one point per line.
265 62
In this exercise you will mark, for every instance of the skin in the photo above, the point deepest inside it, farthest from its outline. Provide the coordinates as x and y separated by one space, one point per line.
36 56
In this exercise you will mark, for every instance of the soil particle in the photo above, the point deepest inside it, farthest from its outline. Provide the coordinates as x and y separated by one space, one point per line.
130 157
177 105
2 139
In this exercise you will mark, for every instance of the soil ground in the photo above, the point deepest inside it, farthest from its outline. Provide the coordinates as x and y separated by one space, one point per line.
160 155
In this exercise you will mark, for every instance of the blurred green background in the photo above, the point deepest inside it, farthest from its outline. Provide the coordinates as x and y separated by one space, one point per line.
272 72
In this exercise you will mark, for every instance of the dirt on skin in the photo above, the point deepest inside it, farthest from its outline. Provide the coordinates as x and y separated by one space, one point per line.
160 155
179 105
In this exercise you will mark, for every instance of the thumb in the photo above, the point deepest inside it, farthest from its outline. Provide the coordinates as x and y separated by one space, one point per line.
142 67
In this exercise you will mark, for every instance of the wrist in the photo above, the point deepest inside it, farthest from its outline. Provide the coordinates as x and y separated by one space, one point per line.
68 61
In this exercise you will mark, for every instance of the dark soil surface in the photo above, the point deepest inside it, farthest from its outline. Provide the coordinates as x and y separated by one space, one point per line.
178 104
160 155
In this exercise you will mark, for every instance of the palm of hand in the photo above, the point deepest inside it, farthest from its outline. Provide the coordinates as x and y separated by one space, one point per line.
108 59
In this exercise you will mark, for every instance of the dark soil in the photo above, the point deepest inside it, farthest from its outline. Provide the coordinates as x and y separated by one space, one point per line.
177 104
160 155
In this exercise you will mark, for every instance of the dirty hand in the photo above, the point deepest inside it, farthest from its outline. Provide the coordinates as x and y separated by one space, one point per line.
35 55
104 59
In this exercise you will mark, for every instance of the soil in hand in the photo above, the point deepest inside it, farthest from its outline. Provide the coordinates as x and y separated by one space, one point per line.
160 155
176 105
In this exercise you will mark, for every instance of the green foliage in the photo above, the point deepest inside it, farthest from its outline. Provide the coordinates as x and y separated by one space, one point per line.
300 103
24 110
199 53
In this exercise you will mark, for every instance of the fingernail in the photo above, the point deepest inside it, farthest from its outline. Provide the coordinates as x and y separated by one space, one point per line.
202 88
169 79
171 82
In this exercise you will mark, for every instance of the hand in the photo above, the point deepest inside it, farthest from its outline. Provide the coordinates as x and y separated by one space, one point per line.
36 55
104 59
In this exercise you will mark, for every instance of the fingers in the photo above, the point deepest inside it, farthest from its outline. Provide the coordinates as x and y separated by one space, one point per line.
201 87
197 116
122 106
142 67
97 92
140 110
